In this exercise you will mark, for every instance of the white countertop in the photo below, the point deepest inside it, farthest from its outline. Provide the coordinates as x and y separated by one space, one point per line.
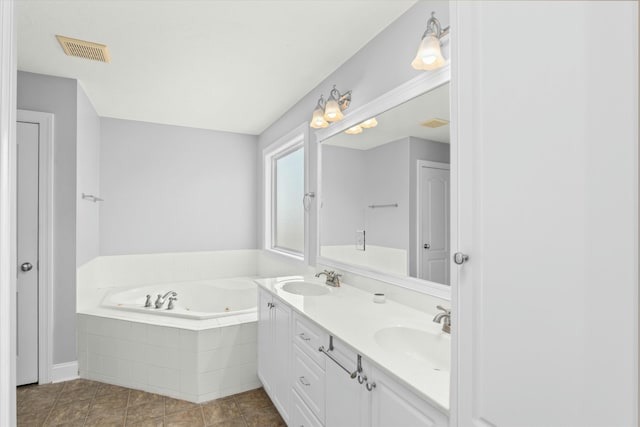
350 314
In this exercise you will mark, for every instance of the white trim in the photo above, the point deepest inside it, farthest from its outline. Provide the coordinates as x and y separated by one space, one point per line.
432 165
289 142
421 84
64 372
457 14
45 239
8 79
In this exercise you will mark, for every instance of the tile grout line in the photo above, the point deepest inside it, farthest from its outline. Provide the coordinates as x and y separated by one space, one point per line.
244 420
204 422
91 404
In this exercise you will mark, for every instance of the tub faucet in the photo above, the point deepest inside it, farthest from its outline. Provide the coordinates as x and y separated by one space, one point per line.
171 300
161 299
147 303
446 323
333 278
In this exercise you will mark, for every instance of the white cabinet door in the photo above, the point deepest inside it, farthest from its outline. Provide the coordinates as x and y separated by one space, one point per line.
274 350
545 142
347 402
265 341
281 320
393 405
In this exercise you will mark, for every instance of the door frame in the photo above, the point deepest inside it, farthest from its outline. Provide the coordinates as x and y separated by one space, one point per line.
8 87
434 165
45 238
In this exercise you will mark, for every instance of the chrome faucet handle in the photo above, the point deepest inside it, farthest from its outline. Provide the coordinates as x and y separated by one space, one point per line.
171 300
159 302
327 273
147 303
446 310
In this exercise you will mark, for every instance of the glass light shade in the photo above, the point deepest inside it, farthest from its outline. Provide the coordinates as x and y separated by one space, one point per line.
332 112
318 121
371 123
354 130
429 56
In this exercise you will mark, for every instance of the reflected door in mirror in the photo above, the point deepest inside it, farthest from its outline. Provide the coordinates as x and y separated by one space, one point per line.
434 223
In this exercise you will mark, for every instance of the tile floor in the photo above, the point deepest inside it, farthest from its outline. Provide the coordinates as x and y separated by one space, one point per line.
90 403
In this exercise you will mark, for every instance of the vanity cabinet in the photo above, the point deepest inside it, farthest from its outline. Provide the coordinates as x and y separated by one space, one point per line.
312 390
274 350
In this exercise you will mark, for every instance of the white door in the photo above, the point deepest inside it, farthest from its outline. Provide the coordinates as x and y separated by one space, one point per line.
546 151
27 237
434 224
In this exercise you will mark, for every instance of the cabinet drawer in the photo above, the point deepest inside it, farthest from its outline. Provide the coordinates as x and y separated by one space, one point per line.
309 338
308 381
302 415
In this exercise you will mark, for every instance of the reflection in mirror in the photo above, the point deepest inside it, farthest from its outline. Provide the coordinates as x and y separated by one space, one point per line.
385 191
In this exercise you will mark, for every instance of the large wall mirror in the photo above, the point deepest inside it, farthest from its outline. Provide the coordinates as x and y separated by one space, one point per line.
385 192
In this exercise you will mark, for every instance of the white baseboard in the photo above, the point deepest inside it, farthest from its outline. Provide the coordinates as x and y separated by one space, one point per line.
64 372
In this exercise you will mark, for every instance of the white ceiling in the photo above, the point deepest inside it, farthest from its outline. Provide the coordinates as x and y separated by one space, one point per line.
403 121
224 65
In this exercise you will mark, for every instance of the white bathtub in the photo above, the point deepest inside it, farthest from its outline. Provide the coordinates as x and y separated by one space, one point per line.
198 300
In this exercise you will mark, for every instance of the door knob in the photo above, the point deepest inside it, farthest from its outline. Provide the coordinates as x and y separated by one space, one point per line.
427 246
26 266
460 258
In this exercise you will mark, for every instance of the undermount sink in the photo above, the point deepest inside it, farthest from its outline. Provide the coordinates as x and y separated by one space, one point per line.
424 346
305 288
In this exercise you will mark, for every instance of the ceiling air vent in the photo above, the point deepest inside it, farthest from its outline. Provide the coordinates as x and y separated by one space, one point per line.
84 49
434 123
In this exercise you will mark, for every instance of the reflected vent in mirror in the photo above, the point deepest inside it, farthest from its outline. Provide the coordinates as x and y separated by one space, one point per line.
84 49
434 123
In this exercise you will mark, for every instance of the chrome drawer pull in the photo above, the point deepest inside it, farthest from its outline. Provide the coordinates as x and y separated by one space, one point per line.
304 338
304 381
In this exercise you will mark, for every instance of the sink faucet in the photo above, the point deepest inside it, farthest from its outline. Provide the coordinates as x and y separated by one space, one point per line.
333 278
161 299
446 323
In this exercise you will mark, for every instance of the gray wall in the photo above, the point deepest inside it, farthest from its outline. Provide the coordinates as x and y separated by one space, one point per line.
383 64
88 180
387 182
56 95
343 189
172 189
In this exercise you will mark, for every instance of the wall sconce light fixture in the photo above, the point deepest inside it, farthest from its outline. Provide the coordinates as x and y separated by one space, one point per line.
318 121
331 111
429 56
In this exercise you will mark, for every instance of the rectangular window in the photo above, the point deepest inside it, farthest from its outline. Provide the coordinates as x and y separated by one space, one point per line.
287 191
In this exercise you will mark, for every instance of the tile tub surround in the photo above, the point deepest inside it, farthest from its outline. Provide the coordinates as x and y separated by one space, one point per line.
193 365
89 403
350 314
